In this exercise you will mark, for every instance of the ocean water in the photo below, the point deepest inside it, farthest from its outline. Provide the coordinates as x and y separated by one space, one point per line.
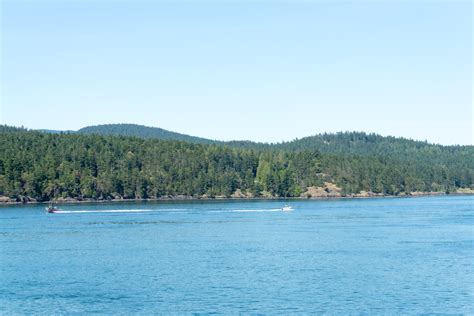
354 256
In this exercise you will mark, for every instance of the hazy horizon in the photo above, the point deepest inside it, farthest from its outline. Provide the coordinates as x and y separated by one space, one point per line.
262 71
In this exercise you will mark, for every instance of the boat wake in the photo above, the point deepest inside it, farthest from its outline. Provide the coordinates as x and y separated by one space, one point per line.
248 211
103 211
168 211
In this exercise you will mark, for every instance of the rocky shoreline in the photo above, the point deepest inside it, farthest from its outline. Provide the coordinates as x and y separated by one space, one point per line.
329 196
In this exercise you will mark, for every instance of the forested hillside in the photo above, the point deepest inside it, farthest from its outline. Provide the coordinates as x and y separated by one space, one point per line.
141 131
350 143
349 151
42 166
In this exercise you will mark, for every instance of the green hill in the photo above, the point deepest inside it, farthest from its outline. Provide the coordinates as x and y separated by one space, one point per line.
352 143
141 131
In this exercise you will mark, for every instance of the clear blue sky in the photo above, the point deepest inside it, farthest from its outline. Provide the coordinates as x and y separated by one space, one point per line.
265 71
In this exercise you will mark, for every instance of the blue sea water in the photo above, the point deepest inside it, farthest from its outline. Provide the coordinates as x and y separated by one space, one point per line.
351 256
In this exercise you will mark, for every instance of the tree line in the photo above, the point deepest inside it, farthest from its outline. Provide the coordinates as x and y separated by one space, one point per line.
45 166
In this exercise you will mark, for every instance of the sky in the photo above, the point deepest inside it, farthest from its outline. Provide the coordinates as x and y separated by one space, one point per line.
258 70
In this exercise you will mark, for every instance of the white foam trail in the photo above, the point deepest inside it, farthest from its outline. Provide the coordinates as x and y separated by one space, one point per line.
175 210
103 211
263 210
248 211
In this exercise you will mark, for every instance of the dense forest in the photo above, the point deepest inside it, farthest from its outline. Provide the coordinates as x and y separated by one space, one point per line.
42 166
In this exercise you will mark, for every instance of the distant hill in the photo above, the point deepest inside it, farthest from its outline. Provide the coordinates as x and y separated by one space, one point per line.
356 143
340 144
142 132
351 143
97 163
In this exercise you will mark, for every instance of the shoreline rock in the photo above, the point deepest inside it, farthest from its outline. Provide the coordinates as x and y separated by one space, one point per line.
332 194
328 190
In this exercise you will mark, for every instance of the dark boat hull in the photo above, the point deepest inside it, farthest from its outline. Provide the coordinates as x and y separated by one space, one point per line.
52 210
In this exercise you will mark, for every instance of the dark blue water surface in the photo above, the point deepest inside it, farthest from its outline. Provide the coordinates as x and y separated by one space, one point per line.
376 256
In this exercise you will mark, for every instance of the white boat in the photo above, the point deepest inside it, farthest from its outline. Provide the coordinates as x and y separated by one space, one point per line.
287 208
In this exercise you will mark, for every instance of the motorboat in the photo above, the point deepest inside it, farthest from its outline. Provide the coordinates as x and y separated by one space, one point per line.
52 209
287 208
